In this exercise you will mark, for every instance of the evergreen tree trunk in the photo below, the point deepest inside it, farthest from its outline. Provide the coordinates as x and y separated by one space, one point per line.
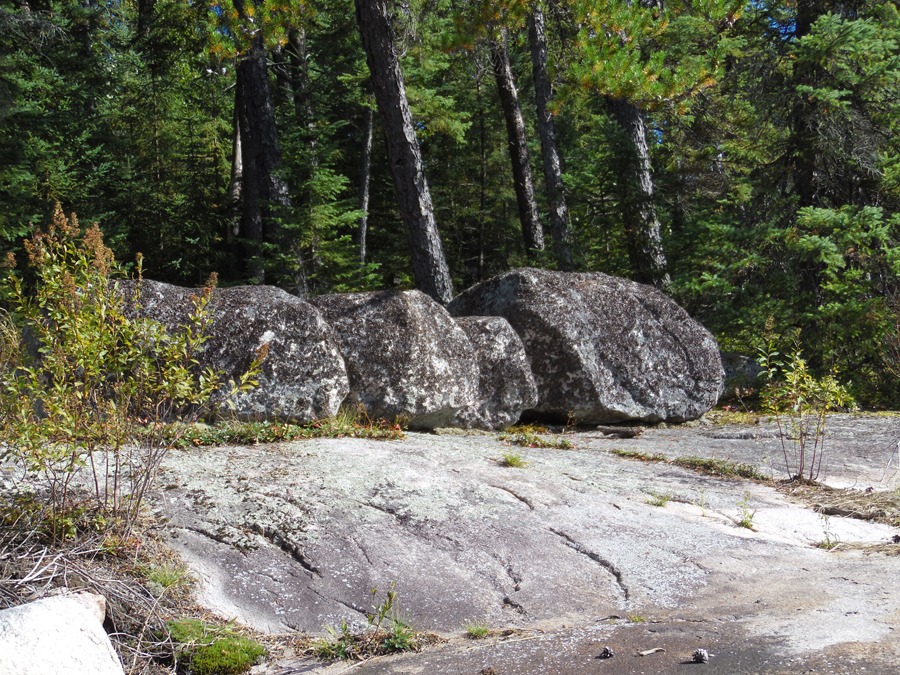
482 196
543 94
405 159
145 10
518 148
801 147
237 176
284 90
642 228
302 89
365 178
265 193
303 108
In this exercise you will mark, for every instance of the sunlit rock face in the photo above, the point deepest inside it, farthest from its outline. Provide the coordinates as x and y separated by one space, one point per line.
405 356
506 386
603 349
302 377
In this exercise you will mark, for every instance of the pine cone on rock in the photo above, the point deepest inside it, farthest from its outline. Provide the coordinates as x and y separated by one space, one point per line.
700 656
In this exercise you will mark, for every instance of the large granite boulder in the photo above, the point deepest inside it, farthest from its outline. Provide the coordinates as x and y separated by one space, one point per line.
60 634
506 386
741 372
603 349
303 375
406 356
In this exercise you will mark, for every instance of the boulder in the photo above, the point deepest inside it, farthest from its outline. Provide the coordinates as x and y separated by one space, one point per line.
303 375
406 356
603 349
740 372
506 386
61 634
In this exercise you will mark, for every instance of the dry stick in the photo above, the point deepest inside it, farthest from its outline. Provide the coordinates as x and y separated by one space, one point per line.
150 614
787 465
820 433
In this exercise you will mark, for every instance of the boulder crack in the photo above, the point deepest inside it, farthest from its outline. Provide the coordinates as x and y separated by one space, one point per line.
221 539
515 605
340 602
287 546
600 560
516 578
517 496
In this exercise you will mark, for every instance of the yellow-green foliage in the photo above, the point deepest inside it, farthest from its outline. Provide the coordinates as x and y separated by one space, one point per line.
98 381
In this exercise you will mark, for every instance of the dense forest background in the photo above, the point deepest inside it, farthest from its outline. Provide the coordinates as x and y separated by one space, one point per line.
740 155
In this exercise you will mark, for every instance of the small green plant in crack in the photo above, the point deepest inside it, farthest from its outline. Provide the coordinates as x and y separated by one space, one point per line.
747 513
476 629
658 498
721 467
213 650
640 456
636 618
348 423
388 631
831 541
512 459
337 646
701 502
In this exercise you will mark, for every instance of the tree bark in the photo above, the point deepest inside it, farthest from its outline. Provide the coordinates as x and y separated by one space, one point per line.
518 147
285 89
302 88
642 228
482 195
237 176
543 94
145 13
365 177
405 159
265 193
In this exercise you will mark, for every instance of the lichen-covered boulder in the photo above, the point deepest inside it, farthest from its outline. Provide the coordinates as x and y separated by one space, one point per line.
506 386
303 375
406 356
740 372
603 349
60 634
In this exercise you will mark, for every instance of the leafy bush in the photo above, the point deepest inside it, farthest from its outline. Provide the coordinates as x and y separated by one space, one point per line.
799 402
91 385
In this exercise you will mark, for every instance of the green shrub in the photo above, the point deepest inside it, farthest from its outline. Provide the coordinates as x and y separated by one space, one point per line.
97 385
799 402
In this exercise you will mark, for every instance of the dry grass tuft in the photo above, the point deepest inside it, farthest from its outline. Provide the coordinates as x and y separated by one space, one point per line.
880 507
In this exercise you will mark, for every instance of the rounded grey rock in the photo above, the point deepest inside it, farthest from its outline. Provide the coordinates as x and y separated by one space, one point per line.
406 357
506 385
603 349
302 377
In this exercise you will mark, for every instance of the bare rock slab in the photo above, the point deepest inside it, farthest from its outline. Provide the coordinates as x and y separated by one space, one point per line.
56 635
602 348
406 356
303 375
506 385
